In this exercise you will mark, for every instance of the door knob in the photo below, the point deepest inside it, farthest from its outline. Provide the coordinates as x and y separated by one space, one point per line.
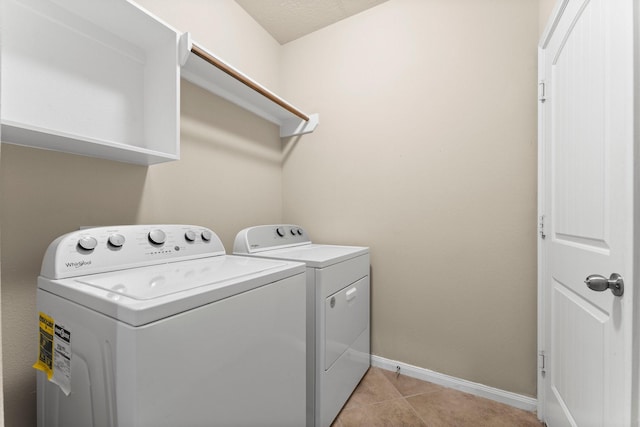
600 283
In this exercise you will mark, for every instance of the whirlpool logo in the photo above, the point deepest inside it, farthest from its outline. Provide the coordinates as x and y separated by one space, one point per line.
78 264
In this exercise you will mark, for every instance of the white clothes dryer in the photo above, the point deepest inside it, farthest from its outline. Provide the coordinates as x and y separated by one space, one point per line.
338 304
157 326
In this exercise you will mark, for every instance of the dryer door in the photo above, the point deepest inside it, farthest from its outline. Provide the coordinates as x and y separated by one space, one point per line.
346 316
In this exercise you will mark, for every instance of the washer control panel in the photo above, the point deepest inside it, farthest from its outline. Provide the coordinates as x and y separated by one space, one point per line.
101 249
266 237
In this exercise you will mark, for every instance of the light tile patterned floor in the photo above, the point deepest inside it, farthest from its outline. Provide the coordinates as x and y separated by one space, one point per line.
386 400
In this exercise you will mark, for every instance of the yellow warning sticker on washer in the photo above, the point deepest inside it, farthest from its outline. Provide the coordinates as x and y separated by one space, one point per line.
54 352
45 348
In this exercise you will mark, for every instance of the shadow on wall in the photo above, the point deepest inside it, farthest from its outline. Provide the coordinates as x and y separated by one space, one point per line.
223 128
44 194
288 145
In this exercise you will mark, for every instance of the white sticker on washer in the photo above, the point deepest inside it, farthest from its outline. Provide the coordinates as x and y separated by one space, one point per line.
62 358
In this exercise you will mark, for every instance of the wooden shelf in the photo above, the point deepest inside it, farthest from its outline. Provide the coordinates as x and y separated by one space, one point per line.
204 69
93 78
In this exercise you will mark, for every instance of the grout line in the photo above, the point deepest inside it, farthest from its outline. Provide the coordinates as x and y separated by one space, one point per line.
416 412
372 404
426 392
363 407
417 379
389 382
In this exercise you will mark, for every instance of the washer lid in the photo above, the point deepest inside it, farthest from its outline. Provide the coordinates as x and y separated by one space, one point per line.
316 255
141 295
160 280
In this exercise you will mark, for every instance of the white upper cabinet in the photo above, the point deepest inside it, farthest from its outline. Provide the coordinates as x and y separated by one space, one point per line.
97 78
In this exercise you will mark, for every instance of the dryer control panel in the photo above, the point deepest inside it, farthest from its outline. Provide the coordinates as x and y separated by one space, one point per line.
266 237
101 249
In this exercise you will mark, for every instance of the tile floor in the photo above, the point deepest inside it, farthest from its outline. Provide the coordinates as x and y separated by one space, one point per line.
384 399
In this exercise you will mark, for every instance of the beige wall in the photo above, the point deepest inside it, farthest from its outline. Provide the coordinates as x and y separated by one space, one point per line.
544 11
426 152
225 29
229 177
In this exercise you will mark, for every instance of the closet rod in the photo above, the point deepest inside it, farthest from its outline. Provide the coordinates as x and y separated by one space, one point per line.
242 79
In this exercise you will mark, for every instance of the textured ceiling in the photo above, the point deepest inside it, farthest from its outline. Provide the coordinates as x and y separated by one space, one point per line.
287 20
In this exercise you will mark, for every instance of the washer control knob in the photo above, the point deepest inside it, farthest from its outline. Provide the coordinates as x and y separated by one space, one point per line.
280 231
116 240
190 236
299 231
206 235
157 236
87 243
293 232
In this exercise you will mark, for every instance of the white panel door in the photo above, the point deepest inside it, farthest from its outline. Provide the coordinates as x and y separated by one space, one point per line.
587 201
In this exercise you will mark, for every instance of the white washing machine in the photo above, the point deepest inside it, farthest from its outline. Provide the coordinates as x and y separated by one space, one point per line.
338 299
157 326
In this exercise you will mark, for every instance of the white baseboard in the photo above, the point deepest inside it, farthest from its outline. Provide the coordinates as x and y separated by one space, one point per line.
502 396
